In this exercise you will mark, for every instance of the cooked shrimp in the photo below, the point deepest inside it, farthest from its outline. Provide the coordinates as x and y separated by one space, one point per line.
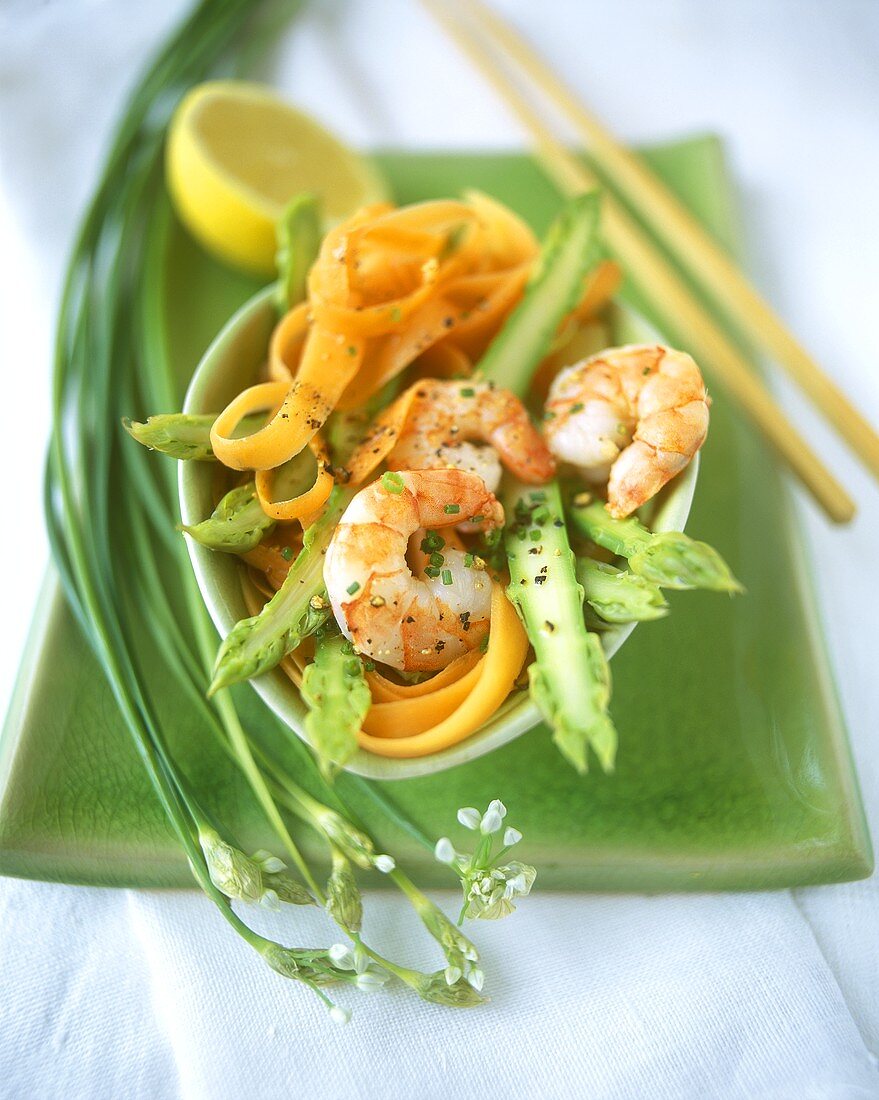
631 417
448 420
414 623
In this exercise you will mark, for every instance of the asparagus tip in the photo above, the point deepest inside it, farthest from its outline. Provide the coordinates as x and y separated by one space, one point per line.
220 680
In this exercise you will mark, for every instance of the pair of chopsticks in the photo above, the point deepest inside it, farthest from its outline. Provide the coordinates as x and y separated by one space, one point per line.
497 51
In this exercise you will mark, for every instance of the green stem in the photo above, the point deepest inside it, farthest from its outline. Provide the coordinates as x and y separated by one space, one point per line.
377 796
241 747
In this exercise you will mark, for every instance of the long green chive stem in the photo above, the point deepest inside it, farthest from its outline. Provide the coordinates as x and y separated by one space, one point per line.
88 347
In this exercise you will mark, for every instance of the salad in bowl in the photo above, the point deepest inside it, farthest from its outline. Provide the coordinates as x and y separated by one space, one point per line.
432 479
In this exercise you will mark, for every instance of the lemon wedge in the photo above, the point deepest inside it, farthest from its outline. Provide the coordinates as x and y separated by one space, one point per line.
237 154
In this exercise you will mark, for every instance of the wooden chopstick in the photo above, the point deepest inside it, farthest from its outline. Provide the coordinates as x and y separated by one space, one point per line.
665 289
691 244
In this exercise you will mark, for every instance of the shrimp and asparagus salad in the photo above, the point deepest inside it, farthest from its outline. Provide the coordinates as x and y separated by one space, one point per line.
434 487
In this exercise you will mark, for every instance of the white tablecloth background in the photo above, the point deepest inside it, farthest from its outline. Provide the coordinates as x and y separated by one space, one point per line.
131 993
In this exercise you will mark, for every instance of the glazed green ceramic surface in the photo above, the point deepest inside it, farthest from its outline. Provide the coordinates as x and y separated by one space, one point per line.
733 769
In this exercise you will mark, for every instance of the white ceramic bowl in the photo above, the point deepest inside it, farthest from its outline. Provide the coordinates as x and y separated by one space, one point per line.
229 365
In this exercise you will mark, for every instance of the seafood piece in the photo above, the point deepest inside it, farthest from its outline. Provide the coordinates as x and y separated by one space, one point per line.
448 420
412 623
630 417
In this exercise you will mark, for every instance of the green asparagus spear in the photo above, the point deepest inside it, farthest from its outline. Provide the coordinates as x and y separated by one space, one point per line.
335 690
236 525
181 435
297 609
618 596
569 251
175 434
570 678
299 234
669 558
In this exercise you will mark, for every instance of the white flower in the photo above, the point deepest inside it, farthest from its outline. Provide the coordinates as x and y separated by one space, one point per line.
342 956
520 878
339 1015
371 981
489 887
269 863
270 899
476 978
385 864
469 817
516 887
453 974
444 850
490 894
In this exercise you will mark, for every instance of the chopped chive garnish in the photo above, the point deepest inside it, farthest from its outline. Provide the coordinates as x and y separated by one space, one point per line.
452 509
432 541
447 576
577 407
549 415
352 351
541 515
436 559
392 482
468 391
537 495
521 534
432 571
534 534
468 560
352 587
287 553
396 315
477 519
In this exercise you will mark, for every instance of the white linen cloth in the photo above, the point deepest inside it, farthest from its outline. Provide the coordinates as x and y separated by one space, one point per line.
110 993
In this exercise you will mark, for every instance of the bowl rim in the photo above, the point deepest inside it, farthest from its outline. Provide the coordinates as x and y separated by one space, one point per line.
245 335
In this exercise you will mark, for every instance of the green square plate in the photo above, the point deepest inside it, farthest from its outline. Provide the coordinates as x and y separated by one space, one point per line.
734 771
